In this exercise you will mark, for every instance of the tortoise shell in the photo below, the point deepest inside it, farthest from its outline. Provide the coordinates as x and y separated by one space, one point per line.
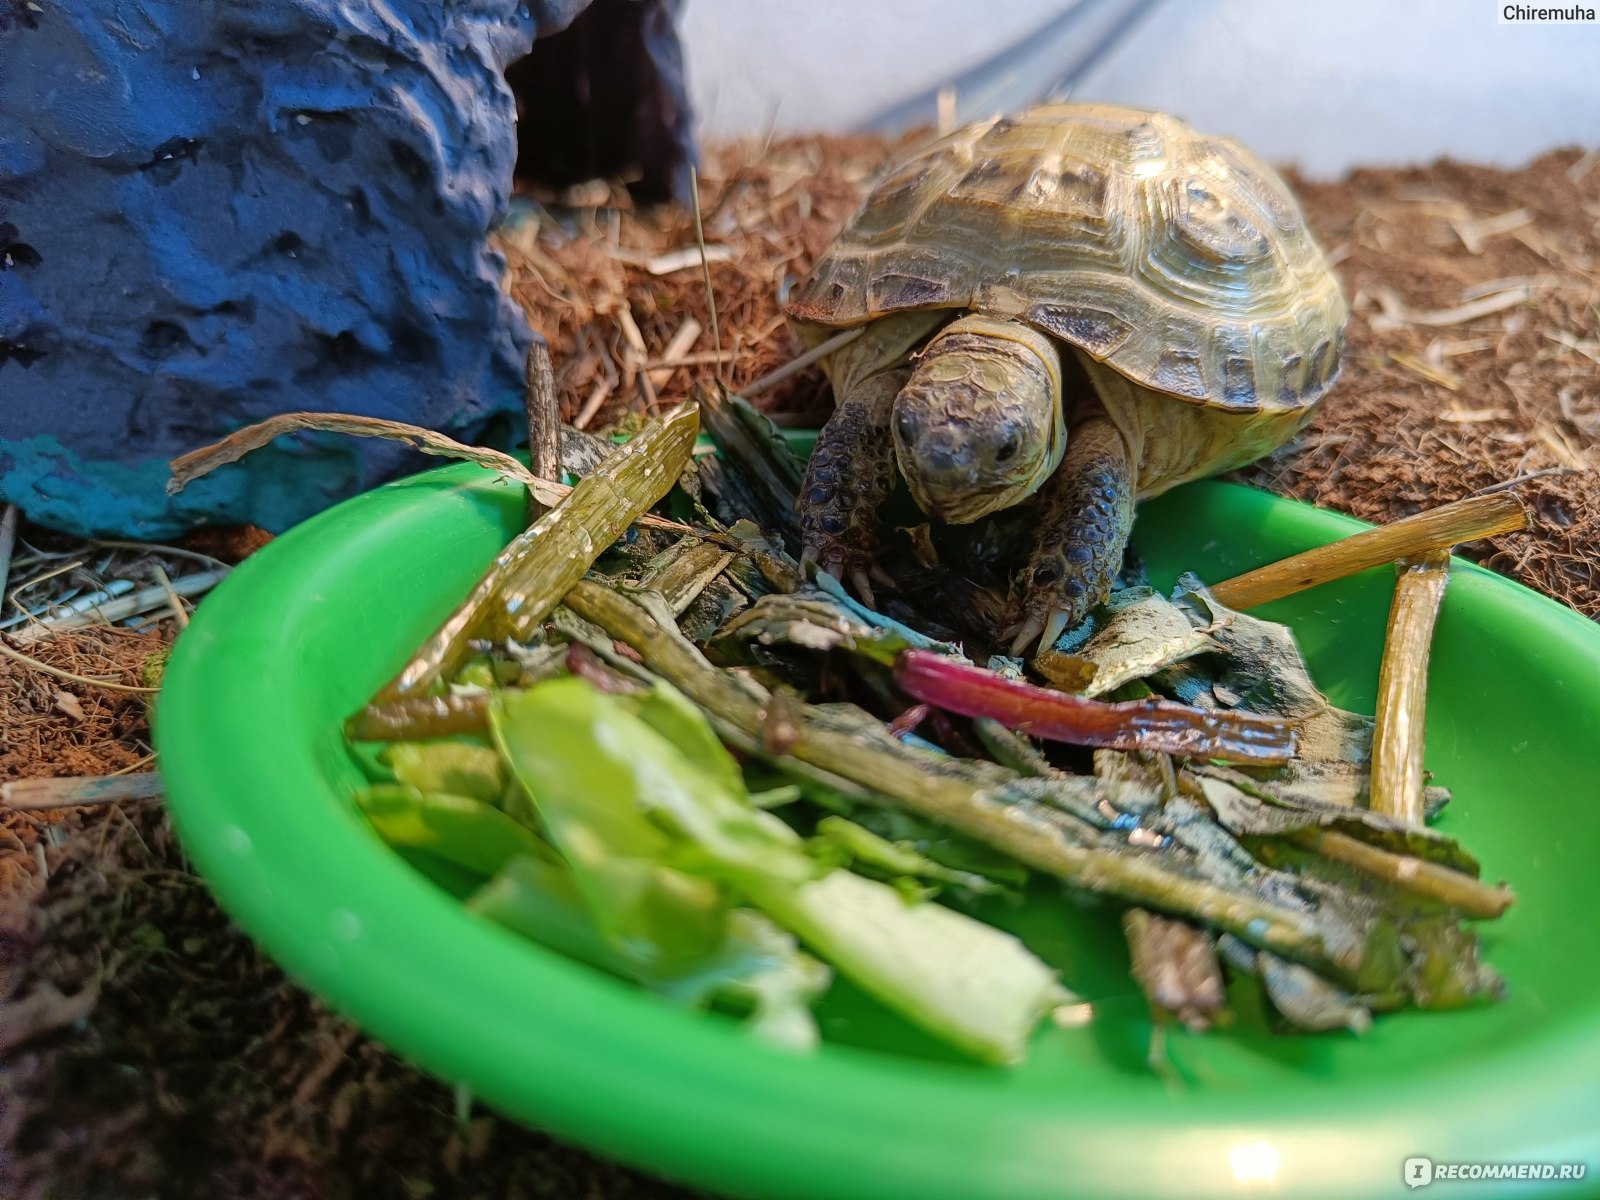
1180 260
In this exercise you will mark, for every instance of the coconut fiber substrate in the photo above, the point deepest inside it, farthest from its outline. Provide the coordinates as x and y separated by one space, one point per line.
152 1051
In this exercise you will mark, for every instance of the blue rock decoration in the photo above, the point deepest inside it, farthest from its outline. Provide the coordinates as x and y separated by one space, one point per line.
213 212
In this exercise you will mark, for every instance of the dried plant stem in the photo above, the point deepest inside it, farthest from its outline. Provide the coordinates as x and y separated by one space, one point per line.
109 684
1011 749
1444 884
1435 529
8 540
32 795
705 268
1507 484
601 393
703 358
544 419
1397 739
186 468
676 354
795 365
174 601
528 578
122 607
686 572
418 717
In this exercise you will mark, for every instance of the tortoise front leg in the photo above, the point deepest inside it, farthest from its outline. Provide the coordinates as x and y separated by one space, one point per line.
848 480
1086 517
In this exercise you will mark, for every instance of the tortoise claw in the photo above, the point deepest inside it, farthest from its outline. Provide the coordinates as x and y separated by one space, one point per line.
1053 628
846 570
1022 633
1045 629
862 588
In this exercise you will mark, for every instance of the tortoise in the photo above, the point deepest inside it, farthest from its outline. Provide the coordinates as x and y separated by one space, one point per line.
1079 307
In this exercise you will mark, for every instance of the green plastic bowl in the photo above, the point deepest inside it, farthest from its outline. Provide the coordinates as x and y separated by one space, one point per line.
258 776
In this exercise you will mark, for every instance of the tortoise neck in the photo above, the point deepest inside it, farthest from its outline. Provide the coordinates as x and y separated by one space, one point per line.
1043 347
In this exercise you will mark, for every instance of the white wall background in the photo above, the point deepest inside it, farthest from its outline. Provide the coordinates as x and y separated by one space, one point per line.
1326 85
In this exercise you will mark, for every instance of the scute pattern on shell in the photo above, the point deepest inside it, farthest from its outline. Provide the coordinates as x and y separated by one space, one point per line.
1180 260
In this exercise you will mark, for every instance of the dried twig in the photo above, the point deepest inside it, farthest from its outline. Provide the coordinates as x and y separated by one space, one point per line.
174 601
544 415
1444 378
1442 883
186 468
702 358
634 357
705 267
123 607
676 354
32 795
1434 529
1506 485
1397 738
602 392
1397 314
8 539
675 260
210 560
1473 234
816 354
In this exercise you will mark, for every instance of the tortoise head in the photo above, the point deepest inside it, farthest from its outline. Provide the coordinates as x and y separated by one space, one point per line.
978 426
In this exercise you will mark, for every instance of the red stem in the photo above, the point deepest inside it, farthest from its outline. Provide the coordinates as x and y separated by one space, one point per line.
1159 725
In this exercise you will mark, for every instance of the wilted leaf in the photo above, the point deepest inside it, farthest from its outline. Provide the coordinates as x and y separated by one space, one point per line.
457 768
459 829
1137 632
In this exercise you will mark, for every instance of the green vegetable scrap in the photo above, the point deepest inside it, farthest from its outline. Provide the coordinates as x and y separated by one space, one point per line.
964 982
461 768
898 859
652 817
756 969
461 830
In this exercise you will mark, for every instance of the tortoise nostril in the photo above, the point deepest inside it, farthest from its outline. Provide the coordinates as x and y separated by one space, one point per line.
945 454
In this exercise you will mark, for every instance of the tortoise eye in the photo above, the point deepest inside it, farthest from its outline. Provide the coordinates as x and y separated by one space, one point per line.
906 425
1008 450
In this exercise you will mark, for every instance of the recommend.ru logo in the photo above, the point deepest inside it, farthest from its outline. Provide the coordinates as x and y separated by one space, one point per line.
1419 1171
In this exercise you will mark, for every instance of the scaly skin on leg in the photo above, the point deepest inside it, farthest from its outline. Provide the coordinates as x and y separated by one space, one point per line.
848 480
1085 519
